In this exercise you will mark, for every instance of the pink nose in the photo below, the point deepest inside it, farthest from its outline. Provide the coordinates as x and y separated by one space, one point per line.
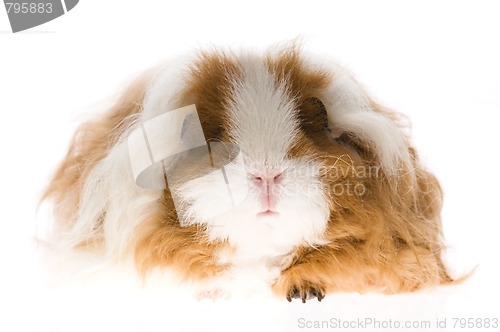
267 184
267 179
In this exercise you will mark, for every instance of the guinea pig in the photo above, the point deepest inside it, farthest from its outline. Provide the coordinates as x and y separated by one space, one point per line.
277 161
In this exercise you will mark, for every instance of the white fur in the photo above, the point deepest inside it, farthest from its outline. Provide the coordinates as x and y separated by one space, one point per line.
349 110
110 188
302 208
262 113
165 87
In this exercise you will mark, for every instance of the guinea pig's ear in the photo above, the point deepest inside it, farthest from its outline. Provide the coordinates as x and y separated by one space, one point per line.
350 112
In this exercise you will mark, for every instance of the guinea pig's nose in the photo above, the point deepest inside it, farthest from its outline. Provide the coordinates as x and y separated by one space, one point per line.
265 179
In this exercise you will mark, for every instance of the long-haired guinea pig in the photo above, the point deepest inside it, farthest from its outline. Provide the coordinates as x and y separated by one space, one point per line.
277 162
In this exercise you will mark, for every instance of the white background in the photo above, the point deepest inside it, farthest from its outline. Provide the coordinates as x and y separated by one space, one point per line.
436 61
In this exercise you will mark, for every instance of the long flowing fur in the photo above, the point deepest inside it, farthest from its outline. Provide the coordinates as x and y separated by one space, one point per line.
387 238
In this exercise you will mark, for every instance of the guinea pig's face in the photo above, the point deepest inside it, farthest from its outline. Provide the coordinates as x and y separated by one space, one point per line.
288 158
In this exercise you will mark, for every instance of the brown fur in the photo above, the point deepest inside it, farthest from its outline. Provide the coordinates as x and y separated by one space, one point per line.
163 242
388 239
209 88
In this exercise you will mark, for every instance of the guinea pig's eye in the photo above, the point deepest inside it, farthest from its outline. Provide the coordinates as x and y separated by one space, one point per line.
312 116
352 142
344 139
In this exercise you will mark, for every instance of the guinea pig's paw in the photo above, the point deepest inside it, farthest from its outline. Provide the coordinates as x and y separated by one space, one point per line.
305 292
212 294
297 283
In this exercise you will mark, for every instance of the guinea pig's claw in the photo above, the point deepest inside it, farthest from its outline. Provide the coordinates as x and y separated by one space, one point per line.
294 294
306 294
